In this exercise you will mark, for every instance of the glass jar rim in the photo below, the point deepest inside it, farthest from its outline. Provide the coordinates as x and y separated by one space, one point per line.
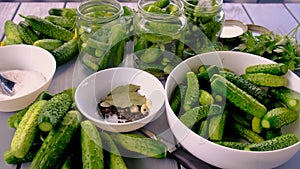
160 15
215 7
113 3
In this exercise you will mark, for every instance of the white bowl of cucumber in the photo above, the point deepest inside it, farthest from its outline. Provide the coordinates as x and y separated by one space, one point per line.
31 68
120 99
212 143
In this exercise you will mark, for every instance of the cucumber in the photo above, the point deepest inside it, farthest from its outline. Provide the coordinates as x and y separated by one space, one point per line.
14 120
46 27
256 125
68 23
12 34
192 116
192 92
206 72
176 97
54 111
67 12
279 117
274 69
289 97
9 158
272 133
203 129
237 96
266 80
241 120
161 3
27 130
216 126
205 98
28 35
91 146
274 144
244 84
65 52
246 133
116 161
141 144
48 44
56 142
232 144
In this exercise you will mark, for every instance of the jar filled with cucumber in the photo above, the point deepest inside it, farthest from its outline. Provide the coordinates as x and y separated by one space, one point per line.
101 33
158 35
206 16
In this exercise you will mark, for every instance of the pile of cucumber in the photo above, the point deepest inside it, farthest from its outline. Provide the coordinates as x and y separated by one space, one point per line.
245 112
55 33
51 133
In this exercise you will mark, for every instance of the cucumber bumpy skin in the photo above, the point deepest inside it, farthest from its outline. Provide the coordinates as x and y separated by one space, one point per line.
26 131
274 144
192 92
273 68
279 117
266 80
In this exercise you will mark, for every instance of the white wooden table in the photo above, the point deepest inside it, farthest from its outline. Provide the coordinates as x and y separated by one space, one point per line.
280 18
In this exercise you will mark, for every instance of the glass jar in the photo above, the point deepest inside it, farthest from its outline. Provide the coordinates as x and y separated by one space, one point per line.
158 40
207 15
100 33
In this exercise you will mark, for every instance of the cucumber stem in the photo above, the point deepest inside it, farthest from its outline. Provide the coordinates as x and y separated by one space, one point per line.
265 124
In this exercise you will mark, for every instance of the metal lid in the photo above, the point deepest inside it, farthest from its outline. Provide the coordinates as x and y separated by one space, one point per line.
233 28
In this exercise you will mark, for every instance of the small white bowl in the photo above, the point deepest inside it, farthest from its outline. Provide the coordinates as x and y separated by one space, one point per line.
97 85
210 152
26 57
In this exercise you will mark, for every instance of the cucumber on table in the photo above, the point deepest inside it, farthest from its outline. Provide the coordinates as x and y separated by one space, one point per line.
141 144
54 111
65 52
28 35
12 34
48 44
91 146
66 12
274 144
55 143
27 130
289 97
116 161
47 28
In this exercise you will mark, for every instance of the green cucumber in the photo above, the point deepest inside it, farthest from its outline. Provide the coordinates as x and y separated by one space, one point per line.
67 12
244 84
256 125
192 92
116 161
48 44
64 22
232 144
237 96
267 80
192 116
203 129
246 133
9 158
279 117
176 98
46 27
161 3
273 68
274 144
54 111
12 34
28 35
27 130
91 146
216 126
56 142
65 52
151 54
141 144
241 120
205 98
289 97
272 133
206 72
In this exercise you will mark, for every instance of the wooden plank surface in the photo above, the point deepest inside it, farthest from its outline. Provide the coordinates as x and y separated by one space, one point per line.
7 11
273 16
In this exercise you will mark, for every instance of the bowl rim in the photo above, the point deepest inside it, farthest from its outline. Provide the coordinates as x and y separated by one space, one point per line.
48 79
149 117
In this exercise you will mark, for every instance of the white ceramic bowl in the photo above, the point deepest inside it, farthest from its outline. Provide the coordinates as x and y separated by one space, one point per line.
97 85
210 152
26 57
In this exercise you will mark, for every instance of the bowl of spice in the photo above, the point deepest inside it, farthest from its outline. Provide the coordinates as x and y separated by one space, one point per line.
31 70
120 99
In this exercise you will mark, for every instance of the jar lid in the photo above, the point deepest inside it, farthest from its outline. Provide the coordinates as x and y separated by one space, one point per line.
233 28
257 29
